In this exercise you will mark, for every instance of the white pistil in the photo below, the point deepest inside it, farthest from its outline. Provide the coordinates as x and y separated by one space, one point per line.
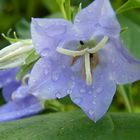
99 46
86 52
70 52
88 69
95 49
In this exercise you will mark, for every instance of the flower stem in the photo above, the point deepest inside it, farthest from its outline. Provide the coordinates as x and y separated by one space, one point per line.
68 9
62 8
130 96
126 99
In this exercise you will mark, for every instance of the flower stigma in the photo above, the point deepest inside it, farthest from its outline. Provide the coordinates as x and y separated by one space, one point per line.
88 52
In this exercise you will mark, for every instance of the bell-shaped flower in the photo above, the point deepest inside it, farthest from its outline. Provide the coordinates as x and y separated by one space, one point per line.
84 59
19 103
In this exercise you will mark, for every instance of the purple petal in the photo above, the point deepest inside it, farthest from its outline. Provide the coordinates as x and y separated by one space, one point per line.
96 99
20 108
50 79
47 33
9 89
20 92
124 68
98 17
6 76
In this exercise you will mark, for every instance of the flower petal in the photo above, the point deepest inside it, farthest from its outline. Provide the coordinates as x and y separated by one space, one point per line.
50 79
98 17
96 99
6 76
124 68
47 33
20 92
20 108
9 89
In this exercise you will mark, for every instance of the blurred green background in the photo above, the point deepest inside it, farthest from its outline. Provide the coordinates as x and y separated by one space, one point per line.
16 15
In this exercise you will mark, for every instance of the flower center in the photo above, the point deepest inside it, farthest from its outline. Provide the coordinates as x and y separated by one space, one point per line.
88 50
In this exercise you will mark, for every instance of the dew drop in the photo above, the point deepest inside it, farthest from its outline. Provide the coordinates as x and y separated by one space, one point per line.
55 76
77 20
63 66
45 52
72 85
98 90
56 30
94 103
69 91
58 95
8 80
94 95
78 100
82 90
91 112
90 10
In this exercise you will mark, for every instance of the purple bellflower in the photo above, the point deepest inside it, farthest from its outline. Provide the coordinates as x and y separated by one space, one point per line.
19 102
84 59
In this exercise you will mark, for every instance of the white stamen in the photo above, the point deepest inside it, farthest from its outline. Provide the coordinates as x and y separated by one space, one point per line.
88 69
25 78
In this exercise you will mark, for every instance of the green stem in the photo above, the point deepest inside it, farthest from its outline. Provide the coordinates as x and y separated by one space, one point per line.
63 11
130 97
125 97
62 8
68 9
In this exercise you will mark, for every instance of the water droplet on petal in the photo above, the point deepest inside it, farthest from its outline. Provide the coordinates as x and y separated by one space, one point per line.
8 80
82 90
94 95
94 103
90 10
58 95
98 90
78 100
91 112
69 91
63 66
45 52
56 30
72 85
55 76
77 20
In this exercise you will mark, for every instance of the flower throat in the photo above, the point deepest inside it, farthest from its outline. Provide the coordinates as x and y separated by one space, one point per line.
89 51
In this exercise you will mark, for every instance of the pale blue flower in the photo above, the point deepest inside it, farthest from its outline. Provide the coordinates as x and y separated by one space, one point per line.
84 59
19 103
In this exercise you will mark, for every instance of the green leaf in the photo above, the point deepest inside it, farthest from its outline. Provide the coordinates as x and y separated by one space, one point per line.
73 125
51 6
23 71
131 36
29 62
32 57
23 29
129 5
7 21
